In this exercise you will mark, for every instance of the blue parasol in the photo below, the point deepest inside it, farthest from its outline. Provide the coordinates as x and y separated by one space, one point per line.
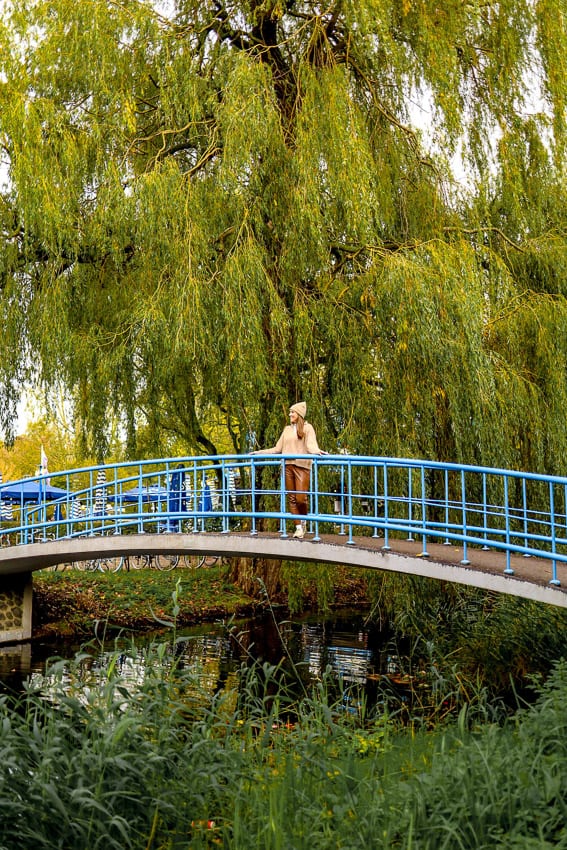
206 502
176 499
24 492
152 493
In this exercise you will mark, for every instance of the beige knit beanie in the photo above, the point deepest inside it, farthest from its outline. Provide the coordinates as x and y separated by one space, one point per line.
300 408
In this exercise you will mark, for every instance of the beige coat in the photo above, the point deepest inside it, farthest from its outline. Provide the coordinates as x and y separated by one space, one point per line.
290 444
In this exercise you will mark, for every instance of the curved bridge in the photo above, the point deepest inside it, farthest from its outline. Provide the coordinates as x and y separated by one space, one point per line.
497 529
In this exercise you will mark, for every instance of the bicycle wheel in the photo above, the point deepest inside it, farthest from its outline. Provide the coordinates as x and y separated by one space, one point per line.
140 562
191 562
59 568
209 560
109 565
166 562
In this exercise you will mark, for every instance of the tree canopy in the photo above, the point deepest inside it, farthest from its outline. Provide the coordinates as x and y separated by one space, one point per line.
213 209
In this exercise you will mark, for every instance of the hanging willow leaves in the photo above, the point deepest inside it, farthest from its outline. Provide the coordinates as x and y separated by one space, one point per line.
211 209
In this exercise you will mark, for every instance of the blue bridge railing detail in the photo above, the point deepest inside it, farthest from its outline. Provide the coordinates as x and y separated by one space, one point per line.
468 506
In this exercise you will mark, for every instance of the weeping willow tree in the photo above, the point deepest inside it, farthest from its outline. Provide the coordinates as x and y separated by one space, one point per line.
210 209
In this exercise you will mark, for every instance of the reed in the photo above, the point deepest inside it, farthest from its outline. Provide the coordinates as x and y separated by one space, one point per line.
90 760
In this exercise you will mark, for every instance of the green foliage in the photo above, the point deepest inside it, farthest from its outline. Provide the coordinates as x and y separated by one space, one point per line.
299 577
23 458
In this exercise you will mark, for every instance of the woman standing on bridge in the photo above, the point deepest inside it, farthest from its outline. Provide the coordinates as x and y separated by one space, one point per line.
297 438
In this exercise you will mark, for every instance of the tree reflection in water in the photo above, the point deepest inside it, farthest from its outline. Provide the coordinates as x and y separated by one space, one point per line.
354 653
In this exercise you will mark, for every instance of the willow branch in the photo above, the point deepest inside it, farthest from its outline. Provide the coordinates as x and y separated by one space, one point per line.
489 229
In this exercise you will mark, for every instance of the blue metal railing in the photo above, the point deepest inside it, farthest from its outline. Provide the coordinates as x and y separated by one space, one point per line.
469 506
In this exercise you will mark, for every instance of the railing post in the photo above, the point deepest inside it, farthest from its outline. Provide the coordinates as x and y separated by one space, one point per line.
525 511
410 502
253 497
424 553
283 523
315 497
342 531
485 510
141 529
195 495
386 546
465 561
554 580
225 498
350 541
508 571
117 504
375 533
446 542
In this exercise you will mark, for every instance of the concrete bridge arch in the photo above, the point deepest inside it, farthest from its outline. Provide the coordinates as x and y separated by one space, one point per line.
443 563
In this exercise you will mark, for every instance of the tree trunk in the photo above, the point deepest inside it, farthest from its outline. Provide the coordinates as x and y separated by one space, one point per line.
259 577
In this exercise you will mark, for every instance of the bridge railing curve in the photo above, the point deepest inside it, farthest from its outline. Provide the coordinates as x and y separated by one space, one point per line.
469 506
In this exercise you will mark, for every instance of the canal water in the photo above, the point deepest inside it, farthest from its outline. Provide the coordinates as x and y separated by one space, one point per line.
348 647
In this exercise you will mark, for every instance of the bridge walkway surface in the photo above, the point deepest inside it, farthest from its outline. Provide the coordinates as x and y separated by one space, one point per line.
487 569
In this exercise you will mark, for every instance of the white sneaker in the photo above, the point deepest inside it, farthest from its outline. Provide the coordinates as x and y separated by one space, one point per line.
299 531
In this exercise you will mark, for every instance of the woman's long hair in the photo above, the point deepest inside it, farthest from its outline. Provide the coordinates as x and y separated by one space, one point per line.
299 425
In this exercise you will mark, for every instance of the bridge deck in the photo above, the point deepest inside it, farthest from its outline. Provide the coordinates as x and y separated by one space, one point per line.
486 568
484 565
487 561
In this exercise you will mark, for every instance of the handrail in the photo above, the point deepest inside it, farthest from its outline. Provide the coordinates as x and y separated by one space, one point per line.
471 506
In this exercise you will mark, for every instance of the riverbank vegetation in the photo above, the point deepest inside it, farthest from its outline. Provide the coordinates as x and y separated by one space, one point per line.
495 639
76 604
166 764
72 602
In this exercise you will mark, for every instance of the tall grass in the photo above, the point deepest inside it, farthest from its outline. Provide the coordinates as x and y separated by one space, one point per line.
102 764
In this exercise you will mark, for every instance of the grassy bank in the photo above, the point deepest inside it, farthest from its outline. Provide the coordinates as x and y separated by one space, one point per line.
71 603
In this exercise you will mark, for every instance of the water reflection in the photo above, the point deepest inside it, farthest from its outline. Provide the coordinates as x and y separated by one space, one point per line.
355 652
347 653
15 661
